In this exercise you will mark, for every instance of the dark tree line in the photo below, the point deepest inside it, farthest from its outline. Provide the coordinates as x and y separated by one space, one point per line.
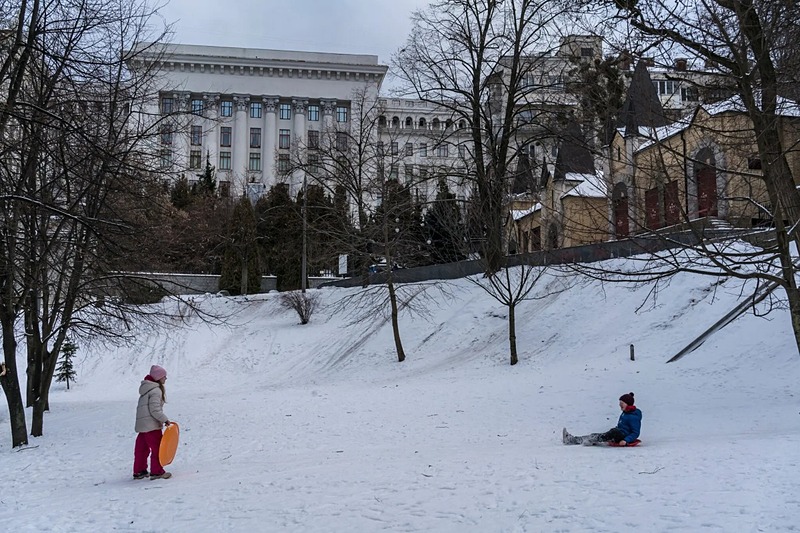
241 241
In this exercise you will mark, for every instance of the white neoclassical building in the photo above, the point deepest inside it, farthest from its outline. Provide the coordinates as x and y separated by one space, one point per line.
242 109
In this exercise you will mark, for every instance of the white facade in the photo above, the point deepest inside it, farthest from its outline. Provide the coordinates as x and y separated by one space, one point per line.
244 109
424 143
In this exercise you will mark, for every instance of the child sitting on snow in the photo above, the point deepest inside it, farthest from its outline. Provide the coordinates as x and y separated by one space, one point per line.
626 432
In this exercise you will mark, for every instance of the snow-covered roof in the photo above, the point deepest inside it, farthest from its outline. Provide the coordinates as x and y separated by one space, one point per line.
518 214
786 108
590 186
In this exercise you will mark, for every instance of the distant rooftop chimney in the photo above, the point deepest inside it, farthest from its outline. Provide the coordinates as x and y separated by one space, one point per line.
681 63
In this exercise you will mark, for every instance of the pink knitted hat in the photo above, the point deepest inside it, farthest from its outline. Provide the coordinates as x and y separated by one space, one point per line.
157 372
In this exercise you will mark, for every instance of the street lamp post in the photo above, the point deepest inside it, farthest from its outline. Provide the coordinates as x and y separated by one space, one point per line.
303 259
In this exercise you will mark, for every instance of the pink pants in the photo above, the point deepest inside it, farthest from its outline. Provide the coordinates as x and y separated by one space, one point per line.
147 444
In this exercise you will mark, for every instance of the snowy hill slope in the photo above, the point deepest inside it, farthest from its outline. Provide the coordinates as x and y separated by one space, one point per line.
318 428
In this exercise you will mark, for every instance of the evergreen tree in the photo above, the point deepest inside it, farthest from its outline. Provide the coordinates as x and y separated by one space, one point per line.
397 225
322 243
279 234
600 89
207 184
65 371
445 227
240 264
180 195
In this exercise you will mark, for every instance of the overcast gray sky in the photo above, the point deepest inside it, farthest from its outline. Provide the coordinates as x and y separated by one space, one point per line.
377 27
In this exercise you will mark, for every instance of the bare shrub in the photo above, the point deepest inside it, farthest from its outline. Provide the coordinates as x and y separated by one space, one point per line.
304 304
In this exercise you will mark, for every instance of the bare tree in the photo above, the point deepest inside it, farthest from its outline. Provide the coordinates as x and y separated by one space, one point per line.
510 287
359 170
477 58
76 175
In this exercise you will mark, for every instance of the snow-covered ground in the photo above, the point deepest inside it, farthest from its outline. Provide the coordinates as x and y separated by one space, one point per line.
317 428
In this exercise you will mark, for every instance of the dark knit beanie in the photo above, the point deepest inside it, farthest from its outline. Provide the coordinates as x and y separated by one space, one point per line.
627 398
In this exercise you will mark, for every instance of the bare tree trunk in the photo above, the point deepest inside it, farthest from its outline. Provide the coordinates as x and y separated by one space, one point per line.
512 333
42 403
10 383
398 344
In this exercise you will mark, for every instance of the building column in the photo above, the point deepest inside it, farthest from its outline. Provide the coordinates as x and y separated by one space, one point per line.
328 107
269 143
180 134
210 125
240 142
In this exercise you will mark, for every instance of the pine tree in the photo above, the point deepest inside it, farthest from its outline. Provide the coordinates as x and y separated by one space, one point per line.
240 265
180 195
65 371
279 223
207 184
445 227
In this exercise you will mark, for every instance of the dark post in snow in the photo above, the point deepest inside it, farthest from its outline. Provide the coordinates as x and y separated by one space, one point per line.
632 356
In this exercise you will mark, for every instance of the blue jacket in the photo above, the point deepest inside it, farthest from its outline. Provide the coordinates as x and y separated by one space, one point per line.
630 423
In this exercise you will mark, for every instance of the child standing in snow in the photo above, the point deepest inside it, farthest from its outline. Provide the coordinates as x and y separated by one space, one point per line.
149 419
627 430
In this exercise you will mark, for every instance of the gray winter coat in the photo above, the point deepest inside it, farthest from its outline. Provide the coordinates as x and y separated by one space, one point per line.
149 413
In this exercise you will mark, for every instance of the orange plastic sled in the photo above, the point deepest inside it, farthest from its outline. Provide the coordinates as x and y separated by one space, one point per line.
169 444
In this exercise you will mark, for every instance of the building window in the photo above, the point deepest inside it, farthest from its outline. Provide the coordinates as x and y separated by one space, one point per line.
166 158
423 149
313 113
255 137
194 159
423 173
285 111
197 107
224 189
196 135
341 141
167 105
666 87
224 160
225 136
341 114
409 149
283 163
255 109
690 94
313 139
313 164
395 148
226 108
394 172
166 134
284 139
255 161
527 81
380 149
441 150
409 173
586 52
462 151
754 162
